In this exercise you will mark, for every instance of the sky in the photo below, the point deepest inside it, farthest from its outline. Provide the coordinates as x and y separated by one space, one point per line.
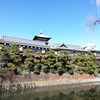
64 20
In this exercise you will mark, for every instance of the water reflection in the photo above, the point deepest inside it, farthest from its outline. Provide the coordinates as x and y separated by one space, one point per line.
67 92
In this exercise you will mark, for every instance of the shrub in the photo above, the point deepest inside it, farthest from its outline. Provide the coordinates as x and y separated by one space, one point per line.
51 54
45 68
4 70
57 64
52 70
60 70
70 72
98 70
27 51
36 61
14 49
2 48
52 66
81 72
36 70
91 71
11 66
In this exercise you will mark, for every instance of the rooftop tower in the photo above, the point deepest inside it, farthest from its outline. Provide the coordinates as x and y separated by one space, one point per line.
42 37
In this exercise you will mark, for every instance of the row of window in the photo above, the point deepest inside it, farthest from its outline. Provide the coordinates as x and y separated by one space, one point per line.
35 49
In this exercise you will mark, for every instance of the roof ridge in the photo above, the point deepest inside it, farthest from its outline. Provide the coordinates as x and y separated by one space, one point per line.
22 39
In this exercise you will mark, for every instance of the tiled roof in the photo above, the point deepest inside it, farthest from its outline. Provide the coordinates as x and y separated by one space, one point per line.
20 41
66 47
41 35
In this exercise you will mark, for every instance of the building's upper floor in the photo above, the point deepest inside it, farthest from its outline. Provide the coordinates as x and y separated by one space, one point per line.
40 44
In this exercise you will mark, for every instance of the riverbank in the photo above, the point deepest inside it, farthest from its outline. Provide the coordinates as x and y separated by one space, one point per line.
31 81
67 92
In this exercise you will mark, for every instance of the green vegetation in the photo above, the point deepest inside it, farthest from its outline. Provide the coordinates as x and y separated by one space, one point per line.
29 62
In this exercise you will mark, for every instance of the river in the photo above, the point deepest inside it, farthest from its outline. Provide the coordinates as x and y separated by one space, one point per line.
65 92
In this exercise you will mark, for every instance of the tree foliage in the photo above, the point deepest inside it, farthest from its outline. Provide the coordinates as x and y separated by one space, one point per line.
49 62
14 49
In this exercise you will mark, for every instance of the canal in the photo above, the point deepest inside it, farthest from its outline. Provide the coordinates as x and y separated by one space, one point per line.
65 92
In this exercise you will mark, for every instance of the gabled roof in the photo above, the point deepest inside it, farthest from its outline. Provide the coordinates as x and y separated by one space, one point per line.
63 46
20 41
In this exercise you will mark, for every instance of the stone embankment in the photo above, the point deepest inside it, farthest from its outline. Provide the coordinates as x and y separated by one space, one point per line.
30 81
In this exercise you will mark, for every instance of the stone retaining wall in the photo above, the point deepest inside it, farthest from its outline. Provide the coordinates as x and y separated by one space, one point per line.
49 76
30 81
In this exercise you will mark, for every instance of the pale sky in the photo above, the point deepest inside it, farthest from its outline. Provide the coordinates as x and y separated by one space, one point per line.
64 20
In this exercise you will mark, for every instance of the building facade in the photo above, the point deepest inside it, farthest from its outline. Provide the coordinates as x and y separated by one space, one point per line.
40 43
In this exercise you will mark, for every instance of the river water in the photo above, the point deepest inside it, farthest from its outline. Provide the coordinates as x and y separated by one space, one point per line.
65 92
